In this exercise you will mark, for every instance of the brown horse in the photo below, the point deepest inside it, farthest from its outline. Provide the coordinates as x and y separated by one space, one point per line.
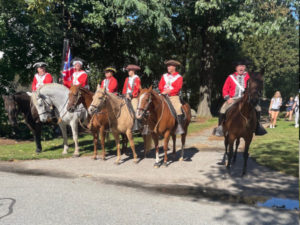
121 120
241 119
161 122
99 122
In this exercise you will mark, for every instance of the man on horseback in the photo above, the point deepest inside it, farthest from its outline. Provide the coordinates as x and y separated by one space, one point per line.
110 83
233 90
131 90
170 85
76 75
41 77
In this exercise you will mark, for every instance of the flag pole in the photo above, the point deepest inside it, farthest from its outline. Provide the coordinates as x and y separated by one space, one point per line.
65 49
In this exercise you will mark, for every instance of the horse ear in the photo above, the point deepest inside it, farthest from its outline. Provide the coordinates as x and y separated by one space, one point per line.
150 88
29 93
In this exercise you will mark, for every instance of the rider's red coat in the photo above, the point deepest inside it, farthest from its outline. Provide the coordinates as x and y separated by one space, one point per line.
171 81
136 87
40 81
112 84
76 78
230 86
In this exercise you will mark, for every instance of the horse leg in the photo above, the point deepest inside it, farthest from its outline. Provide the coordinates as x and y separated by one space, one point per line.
183 137
237 143
63 129
74 127
226 149
95 137
131 142
166 142
36 131
155 140
230 153
102 139
174 146
117 140
246 153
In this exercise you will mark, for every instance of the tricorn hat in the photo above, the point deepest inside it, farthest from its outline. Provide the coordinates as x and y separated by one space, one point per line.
39 64
110 69
172 62
132 67
241 62
77 60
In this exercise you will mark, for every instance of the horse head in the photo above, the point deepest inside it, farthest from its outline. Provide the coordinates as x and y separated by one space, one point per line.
99 100
11 108
255 87
74 98
143 102
43 105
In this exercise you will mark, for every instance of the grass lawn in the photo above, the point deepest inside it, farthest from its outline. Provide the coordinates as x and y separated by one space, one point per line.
279 149
52 149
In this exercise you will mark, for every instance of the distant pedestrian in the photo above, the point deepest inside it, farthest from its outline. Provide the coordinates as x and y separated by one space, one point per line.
289 110
296 109
274 108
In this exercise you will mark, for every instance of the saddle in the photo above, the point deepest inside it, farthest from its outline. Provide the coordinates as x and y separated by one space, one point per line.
130 107
171 107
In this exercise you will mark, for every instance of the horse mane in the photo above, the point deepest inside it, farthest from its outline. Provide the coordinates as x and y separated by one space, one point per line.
85 90
54 85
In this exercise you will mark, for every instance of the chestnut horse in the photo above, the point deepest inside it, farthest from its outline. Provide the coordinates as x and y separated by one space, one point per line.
98 122
241 119
161 122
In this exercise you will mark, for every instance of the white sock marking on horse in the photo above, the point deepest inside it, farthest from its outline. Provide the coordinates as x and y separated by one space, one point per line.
157 157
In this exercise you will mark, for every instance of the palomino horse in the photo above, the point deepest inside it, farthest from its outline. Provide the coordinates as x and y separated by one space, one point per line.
161 121
56 95
120 118
241 119
21 103
99 121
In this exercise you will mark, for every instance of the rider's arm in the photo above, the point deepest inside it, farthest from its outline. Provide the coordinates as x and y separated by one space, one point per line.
113 85
83 80
226 88
136 87
177 85
125 87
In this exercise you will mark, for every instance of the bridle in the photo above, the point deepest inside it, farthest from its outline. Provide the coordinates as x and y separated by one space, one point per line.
77 96
102 100
146 108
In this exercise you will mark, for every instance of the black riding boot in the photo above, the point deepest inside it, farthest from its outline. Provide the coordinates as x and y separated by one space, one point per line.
260 130
179 129
219 130
136 125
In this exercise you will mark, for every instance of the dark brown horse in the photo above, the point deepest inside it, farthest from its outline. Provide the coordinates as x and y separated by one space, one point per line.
99 122
21 103
161 122
241 119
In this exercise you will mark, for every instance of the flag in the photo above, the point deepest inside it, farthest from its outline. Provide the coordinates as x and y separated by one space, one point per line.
68 67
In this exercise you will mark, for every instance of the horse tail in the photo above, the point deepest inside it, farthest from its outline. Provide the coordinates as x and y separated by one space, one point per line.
148 143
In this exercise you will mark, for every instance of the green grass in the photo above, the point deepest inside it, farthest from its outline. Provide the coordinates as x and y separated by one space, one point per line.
196 126
278 149
52 149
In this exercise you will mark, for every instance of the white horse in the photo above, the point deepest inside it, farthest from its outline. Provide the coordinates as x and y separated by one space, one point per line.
56 95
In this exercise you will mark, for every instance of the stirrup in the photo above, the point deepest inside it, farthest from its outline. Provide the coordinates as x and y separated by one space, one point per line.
179 129
219 131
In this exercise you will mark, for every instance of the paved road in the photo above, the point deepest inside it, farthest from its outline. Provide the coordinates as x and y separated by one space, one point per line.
43 200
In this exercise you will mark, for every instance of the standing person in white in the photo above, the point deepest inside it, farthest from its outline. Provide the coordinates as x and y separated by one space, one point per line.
296 108
274 108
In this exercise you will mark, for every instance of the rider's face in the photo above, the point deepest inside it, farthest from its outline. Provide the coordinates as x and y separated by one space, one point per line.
77 66
171 69
41 70
240 69
108 74
131 72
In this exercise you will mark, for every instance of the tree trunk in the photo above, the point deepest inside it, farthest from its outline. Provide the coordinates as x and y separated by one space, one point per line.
203 109
206 72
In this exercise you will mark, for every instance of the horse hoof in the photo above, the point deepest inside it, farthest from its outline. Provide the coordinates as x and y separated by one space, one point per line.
181 159
165 164
75 155
156 165
135 161
38 151
117 163
94 158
